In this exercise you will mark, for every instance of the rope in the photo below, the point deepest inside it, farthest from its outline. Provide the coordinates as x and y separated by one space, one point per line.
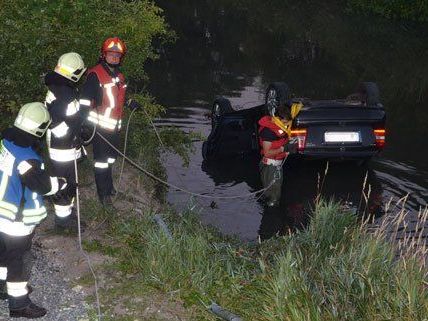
177 187
162 144
80 241
122 165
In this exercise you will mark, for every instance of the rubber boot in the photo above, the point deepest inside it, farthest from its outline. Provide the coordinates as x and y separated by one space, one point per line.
31 311
22 307
107 202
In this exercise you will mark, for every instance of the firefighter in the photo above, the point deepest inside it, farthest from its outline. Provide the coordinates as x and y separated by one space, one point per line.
23 181
273 139
63 135
103 96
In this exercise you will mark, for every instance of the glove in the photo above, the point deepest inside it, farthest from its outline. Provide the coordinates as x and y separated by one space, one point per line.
133 104
70 189
291 146
86 133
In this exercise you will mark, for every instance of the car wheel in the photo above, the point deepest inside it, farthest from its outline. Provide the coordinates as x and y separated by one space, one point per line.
221 106
370 91
277 93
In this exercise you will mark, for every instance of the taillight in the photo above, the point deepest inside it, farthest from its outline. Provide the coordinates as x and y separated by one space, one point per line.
380 137
300 134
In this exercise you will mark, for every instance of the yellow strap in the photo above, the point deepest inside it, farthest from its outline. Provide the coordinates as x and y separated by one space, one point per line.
295 109
284 126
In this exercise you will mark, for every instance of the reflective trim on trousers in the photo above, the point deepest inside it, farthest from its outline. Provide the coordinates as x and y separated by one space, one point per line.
17 289
11 228
111 160
64 155
3 273
63 210
101 165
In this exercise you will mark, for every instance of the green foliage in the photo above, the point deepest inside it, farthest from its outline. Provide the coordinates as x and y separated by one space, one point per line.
35 33
331 271
416 10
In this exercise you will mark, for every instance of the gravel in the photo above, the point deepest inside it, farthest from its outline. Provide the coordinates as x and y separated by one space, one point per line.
63 300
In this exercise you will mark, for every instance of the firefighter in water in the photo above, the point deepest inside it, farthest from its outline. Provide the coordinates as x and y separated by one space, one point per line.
103 96
274 139
23 182
63 135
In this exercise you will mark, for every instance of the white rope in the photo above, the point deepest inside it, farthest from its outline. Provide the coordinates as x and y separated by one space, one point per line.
163 145
80 241
177 187
122 165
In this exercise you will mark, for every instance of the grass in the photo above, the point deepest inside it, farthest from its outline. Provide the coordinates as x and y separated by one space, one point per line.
336 269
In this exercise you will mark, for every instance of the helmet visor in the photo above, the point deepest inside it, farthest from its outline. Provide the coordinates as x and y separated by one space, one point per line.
77 74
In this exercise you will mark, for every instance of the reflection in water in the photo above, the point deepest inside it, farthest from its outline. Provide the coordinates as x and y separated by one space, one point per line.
316 47
388 180
235 48
356 187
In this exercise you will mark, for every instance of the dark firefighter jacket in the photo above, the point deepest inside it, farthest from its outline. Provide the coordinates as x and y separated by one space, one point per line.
63 135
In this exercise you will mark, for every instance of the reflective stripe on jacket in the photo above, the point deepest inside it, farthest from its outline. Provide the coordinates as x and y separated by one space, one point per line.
109 114
17 202
282 137
63 135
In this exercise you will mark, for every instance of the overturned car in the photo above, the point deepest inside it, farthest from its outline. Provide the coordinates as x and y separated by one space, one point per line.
349 128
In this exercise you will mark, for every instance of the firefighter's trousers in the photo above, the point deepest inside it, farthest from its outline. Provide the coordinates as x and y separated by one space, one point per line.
104 158
272 176
64 201
16 262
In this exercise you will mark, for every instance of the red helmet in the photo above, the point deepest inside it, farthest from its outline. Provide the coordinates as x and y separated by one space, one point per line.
114 44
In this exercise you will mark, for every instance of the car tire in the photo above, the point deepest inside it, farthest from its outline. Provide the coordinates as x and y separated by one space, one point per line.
220 107
279 91
370 90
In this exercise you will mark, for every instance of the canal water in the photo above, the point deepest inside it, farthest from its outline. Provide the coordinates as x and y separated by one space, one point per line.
236 49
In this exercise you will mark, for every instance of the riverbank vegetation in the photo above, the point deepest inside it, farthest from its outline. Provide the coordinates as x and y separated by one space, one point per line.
333 270
416 10
36 33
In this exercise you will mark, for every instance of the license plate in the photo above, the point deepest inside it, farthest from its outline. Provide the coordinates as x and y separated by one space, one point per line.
342 137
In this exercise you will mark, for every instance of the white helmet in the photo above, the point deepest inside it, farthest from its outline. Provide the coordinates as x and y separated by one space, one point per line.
71 66
33 118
